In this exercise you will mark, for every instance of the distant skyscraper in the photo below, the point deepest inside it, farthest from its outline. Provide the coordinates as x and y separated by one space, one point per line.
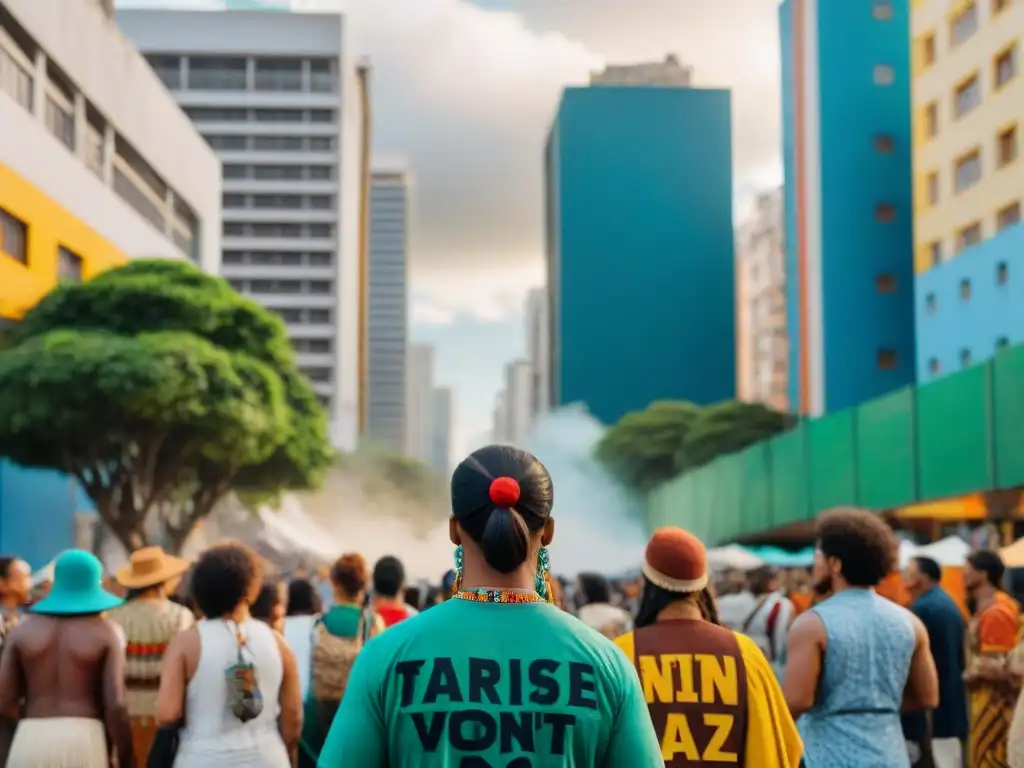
538 340
761 304
668 72
387 321
277 98
518 401
441 427
419 403
499 419
849 208
640 247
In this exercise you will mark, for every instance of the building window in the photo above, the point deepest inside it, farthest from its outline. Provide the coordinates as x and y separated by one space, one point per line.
1007 216
1005 66
885 212
13 237
882 10
967 171
932 182
69 265
887 359
1002 273
1002 343
935 252
968 236
931 120
884 74
963 25
967 96
60 122
965 357
232 200
933 366
278 75
884 143
1006 146
209 73
927 48
930 304
965 289
885 283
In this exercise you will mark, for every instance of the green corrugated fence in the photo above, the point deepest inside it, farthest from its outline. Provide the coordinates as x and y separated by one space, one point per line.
954 436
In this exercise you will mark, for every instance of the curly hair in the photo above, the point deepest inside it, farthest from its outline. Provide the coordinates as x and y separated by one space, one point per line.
223 578
862 542
350 574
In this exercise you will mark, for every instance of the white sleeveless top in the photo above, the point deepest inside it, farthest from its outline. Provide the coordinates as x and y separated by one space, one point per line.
212 736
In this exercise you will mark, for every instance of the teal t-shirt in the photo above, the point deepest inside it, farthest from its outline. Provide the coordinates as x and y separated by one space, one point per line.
484 685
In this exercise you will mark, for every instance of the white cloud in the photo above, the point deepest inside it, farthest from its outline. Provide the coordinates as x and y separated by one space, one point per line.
425 312
494 295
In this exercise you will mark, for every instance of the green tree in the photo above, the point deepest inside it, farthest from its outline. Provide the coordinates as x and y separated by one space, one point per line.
642 449
650 447
160 389
728 427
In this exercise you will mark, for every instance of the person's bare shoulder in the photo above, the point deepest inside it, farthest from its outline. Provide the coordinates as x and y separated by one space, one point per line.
808 627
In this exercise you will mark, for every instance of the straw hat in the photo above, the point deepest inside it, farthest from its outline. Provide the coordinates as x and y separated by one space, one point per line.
150 566
676 561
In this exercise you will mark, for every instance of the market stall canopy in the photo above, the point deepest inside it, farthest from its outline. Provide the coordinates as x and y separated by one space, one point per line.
780 558
1013 555
733 557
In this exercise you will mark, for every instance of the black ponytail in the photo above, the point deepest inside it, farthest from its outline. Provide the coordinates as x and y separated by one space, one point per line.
502 529
505 541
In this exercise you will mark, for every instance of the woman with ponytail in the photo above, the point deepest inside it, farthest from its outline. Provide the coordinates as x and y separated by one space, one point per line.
712 694
497 675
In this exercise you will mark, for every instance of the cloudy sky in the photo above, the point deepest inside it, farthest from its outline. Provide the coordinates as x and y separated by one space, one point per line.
465 90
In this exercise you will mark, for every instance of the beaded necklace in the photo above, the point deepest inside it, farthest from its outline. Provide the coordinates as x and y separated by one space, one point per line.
486 595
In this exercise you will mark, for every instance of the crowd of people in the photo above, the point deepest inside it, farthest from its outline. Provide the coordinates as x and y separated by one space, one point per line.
501 664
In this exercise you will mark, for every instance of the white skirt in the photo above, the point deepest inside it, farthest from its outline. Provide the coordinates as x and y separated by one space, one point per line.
59 742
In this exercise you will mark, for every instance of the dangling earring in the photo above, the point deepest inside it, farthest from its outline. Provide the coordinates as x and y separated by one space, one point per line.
457 584
543 569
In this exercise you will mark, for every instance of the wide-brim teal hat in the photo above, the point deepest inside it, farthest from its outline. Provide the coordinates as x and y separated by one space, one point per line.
77 587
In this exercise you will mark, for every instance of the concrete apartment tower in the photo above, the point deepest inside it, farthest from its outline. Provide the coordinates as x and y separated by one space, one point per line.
275 94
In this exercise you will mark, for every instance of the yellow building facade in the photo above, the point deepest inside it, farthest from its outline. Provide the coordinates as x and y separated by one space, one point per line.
968 107
42 243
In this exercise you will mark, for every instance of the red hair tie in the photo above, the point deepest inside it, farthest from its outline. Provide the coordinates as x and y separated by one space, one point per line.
504 492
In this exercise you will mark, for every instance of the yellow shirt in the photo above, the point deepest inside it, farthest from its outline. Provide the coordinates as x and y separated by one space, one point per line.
772 738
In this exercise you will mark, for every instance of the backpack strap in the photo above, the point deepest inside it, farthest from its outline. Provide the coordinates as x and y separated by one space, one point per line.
750 617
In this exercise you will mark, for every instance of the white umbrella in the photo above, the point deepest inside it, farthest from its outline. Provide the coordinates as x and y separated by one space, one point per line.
733 556
950 552
908 550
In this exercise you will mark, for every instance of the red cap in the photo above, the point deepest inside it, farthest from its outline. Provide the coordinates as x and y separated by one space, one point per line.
504 492
676 560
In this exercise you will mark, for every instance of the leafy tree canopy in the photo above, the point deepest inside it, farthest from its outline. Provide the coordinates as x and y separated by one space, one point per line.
650 447
159 388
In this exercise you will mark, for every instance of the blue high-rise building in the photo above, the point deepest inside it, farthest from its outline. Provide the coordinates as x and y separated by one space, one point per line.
640 248
849 205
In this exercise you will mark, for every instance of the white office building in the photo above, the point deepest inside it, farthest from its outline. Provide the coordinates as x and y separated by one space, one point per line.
442 424
97 163
387 313
499 420
278 99
419 402
538 344
519 401
763 364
